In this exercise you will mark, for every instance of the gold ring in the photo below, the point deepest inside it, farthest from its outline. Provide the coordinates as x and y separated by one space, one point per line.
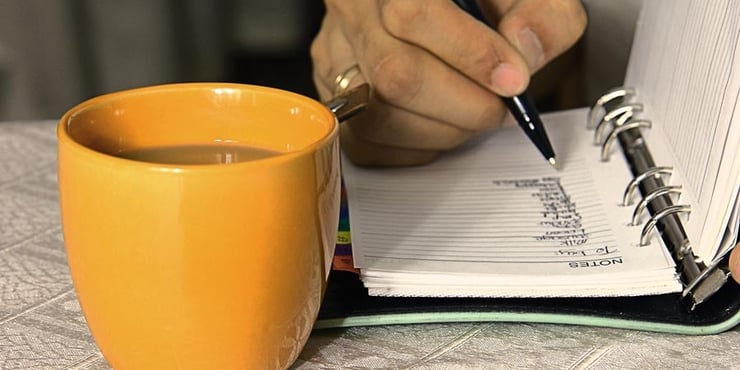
342 81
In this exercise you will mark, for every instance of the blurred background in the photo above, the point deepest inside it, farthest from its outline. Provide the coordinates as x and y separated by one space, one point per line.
56 53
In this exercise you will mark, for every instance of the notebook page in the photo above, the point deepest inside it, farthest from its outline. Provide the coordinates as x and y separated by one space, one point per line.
685 64
493 218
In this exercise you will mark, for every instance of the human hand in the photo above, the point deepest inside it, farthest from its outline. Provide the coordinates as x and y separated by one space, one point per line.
735 263
436 72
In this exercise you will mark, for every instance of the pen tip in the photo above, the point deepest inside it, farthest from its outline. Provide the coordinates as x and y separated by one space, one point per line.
553 163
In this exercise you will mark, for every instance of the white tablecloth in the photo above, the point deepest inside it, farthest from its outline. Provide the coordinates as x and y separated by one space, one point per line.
42 327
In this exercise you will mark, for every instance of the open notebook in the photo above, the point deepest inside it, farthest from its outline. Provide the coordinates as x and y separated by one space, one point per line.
633 231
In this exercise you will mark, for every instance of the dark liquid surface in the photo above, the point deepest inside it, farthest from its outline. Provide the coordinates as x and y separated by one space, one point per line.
198 154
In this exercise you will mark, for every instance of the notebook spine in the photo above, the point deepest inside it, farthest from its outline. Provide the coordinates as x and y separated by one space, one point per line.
616 112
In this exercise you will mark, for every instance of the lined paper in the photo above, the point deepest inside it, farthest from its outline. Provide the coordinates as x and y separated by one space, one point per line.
685 66
493 218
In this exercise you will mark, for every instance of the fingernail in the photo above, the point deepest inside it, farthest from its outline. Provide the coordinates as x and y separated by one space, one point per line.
531 47
508 80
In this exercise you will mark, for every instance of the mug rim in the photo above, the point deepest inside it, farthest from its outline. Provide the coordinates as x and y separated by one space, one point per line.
64 137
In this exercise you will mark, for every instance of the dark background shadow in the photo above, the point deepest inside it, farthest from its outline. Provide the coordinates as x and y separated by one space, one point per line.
289 70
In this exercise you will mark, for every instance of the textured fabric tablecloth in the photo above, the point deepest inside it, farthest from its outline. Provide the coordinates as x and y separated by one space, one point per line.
42 327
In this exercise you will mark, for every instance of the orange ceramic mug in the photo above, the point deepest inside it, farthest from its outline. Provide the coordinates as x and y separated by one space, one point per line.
199 266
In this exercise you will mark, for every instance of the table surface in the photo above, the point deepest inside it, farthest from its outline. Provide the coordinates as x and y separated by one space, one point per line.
42 327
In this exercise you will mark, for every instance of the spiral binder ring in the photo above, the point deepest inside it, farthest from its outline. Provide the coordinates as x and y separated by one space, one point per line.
618 110
618 116
607 146
657 192
650 225
655 171
619 92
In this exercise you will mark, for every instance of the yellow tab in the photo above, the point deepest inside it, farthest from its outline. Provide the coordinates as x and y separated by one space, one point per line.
343 237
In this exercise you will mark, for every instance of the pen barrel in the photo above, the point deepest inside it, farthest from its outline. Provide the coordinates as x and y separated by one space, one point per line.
529 120
520 106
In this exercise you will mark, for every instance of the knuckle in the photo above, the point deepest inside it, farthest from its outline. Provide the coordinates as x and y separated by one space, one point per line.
333 5
398 16
580 19
480 61
318 56
576 17
511 23
397 80
316 49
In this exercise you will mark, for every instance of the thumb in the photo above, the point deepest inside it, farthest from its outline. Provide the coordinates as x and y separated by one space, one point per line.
735 263
542 30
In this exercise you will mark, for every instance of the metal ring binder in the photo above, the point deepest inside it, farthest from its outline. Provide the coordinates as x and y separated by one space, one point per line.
619 92
657 192
655 171
621 114
700 281
606 147
650 225
709 280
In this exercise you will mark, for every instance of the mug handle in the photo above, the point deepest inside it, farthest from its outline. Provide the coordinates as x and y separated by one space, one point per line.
350 103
